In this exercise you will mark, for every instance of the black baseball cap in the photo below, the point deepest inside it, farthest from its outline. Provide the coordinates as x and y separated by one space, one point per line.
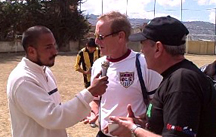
167 30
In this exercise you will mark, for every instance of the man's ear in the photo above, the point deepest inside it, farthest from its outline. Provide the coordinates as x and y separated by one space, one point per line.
31 51
121 35
159 49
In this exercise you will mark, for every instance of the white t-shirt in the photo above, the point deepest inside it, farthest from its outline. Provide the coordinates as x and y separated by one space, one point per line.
35 105
124 86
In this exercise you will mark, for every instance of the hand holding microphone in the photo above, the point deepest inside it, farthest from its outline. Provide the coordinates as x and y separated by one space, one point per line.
99 84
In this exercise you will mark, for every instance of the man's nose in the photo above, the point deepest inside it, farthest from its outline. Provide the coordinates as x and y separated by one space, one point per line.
55 50
97 41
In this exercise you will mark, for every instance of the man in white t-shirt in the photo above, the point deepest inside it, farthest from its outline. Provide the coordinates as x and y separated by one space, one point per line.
34 101
112 32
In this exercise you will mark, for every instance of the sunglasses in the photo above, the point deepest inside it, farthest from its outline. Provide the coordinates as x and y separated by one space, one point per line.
102 37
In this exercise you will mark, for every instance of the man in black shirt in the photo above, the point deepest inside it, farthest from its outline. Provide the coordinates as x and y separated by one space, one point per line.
184 104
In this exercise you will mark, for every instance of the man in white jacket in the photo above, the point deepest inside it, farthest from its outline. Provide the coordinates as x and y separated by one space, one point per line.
34 101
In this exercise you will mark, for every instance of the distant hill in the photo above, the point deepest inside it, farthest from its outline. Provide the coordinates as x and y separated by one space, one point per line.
194 27
200 27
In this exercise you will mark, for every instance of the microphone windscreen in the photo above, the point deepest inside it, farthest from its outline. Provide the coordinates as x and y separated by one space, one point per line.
105 66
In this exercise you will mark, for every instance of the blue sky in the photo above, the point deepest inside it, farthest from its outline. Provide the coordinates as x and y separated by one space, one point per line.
192 10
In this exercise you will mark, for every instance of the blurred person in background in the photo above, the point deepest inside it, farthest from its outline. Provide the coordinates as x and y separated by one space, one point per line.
210 71
85 59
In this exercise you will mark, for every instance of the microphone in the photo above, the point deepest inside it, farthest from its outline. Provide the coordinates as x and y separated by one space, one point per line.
104 66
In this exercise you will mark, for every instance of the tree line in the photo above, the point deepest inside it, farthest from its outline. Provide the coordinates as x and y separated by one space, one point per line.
61 16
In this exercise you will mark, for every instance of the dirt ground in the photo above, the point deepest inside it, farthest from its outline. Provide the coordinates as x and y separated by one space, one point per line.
69 82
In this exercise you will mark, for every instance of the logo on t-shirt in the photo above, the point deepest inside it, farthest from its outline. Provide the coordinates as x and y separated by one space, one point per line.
185 129
126 78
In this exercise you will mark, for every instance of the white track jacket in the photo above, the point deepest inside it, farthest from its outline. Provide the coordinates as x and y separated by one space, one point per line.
35 104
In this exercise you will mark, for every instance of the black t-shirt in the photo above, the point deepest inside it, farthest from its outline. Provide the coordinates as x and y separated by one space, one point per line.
184 104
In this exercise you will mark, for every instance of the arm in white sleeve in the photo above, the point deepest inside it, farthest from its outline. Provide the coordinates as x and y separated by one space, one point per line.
37 104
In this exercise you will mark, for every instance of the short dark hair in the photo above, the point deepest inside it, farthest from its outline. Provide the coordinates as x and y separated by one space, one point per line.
31 35
91 42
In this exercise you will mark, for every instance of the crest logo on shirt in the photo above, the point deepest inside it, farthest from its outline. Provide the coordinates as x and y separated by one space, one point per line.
126 78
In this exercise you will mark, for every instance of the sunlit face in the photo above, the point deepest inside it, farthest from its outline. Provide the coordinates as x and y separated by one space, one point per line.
148 49
108 44
46 50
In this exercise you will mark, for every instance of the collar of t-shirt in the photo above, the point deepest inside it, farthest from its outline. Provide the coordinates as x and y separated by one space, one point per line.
120 58
173 68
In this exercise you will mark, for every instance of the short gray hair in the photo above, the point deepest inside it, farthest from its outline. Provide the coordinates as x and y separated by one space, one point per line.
175 50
